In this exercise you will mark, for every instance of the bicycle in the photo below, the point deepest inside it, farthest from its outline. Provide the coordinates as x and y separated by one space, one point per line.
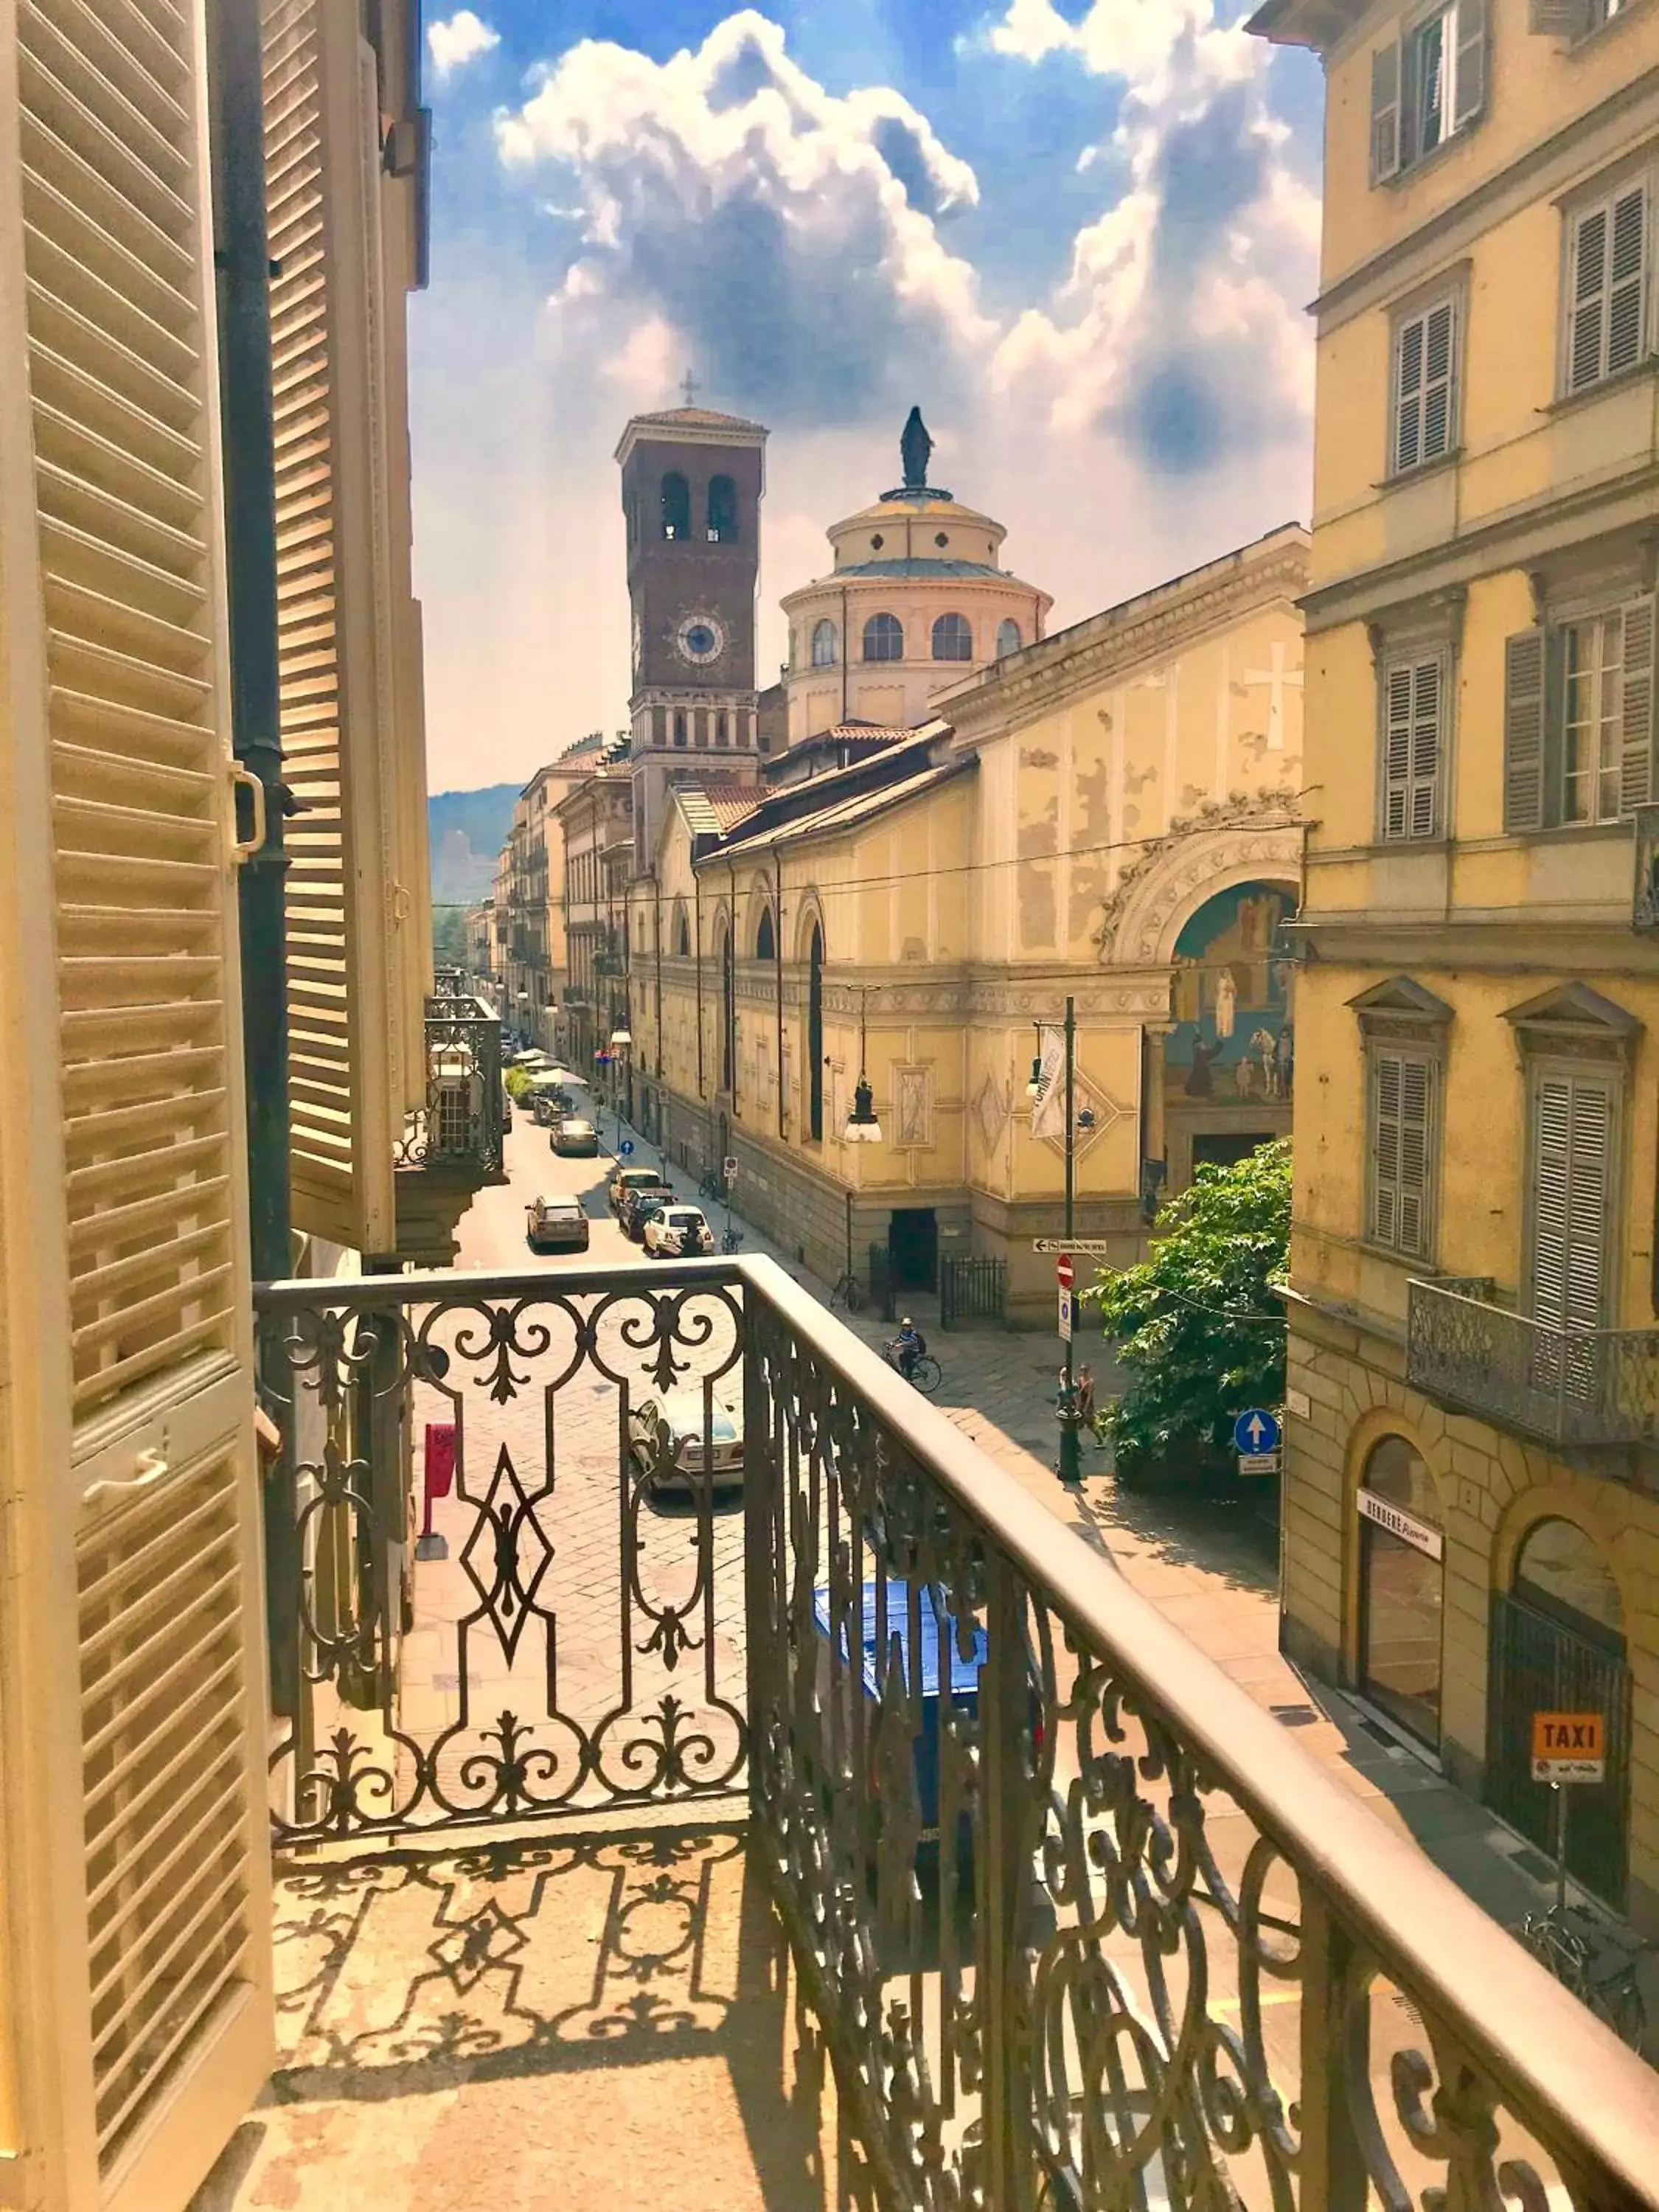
1608 1985
732 1241
713 1185
925 1373
848 1295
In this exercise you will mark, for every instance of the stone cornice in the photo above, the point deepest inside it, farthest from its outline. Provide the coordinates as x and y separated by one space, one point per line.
1050 674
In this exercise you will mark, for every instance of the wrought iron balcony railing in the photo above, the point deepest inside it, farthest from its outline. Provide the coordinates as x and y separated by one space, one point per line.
460 1130
1585 1390
1083 1926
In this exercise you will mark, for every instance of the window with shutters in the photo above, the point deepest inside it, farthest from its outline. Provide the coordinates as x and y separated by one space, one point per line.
1605 317
1579 735
1425 382
1400 1161
1428 83
1413 747
1571 1186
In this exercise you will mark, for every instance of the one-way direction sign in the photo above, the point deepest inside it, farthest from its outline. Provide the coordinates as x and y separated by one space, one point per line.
1257 1431
1086 1248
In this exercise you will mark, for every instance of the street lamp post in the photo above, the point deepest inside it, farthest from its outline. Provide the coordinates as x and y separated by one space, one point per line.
621 1041
1071 1460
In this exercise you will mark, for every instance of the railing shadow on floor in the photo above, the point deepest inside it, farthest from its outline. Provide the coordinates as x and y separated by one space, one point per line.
1078 1925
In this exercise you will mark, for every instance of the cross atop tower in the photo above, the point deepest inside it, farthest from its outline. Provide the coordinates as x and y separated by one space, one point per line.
689 388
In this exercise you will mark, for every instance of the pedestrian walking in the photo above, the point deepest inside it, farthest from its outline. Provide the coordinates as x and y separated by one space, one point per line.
1083 1404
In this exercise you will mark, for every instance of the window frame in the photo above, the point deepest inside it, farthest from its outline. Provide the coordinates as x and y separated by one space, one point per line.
1402 660
1009 622
1603 199
1393 150
1637 720
962 632
832 660
882 615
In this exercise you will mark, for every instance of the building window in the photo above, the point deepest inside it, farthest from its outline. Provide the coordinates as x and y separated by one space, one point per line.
1424 388
824 645
1579 718
883 638
1606 319
1401 1579
815 1036
1413 712
1008 637
679 726
682 936
1570 1197
722 510
722 732
675 505
765 937
953 639
1399 1208
1428 82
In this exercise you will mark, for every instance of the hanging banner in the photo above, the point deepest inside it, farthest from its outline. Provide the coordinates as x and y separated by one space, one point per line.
1048 1112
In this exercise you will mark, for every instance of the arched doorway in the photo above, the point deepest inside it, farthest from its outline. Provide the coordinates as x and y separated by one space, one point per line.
1557 1645
815 1036
1228 1059
1402 1577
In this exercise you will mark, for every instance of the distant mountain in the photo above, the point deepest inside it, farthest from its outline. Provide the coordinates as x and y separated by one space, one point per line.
467 829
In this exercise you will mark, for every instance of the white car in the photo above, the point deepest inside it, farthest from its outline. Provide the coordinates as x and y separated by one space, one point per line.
665 1440
678 1232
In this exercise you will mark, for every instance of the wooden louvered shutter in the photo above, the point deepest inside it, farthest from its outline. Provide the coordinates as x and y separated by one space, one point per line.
1525 715
1385 113
133 1602
1403 1128
1570 1198
1425 395
347 1017
1469 73
1413 704
1636 705
1607 289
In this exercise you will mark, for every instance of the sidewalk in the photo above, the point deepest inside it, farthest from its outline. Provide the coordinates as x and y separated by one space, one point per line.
1212 1565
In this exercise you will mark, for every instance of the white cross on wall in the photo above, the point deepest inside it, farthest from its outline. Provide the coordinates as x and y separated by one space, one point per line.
1278 678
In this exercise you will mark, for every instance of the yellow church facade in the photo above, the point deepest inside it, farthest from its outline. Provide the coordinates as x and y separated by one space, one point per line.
1471 1533
1112 814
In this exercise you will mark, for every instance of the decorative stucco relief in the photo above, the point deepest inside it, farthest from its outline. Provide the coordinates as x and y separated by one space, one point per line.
1220 844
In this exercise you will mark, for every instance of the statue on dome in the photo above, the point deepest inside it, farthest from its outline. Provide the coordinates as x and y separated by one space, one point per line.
914 447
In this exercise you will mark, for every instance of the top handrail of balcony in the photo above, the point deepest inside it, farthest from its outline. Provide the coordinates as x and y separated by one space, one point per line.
1565 2076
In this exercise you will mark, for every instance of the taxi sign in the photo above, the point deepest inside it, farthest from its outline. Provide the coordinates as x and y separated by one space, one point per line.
1569 1747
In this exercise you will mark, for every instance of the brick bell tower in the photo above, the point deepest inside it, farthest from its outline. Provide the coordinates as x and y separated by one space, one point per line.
691 486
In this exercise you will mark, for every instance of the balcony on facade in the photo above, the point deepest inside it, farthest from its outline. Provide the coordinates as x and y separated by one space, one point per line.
688 1843
454 1143
1578 1389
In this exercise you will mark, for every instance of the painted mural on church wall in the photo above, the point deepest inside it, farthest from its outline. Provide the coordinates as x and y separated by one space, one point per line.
1234 1038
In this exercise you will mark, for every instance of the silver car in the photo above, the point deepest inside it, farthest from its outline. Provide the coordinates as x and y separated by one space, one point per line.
666 1441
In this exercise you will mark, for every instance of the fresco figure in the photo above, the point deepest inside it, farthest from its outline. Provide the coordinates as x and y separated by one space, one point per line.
1226 1004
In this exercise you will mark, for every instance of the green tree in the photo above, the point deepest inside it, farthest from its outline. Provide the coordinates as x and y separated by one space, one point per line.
1197 1324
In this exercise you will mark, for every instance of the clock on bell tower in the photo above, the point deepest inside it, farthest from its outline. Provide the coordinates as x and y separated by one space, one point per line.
691 484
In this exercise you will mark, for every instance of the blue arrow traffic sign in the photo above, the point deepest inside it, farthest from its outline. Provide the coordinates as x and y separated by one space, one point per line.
1257 1431
626 1146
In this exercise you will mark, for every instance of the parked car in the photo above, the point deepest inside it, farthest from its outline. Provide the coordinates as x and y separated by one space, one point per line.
624 1179
556 1225
575 1138
963 1688
665 1440
549 1107
636 1205
677 1233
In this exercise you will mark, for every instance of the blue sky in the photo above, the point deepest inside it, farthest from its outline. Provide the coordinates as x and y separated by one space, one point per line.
1080 233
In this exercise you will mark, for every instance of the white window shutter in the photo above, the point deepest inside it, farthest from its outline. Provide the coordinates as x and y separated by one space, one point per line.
1525 665
1413 705
347 1015
1397 752
1570 1199
1439 380
1408 395
1636 717
125 1383
1469 73
1401 1163
1385 113
1587 299
1627 281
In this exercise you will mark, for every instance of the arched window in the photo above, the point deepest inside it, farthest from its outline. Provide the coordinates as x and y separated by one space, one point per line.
766 943
679 726
883 638
1008 637
675 505
953 639
722 731
824 644
682 935
722 510
815 1036
1401 1578
1561 1573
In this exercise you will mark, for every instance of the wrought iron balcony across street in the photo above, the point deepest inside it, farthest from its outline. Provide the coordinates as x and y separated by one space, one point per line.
460 1129
1583 1389
1079 1923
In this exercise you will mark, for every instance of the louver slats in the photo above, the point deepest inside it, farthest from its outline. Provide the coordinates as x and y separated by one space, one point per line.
343 1019
116 768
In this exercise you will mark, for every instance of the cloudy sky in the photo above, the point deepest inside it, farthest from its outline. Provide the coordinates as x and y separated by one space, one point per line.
1080 233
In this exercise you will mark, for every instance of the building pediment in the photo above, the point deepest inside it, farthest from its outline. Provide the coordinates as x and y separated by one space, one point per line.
1572 1018
1400 1000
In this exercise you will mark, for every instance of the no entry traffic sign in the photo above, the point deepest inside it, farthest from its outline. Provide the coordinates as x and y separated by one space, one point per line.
1064 1271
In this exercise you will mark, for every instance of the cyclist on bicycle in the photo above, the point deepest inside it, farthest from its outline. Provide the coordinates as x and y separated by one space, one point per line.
906 1348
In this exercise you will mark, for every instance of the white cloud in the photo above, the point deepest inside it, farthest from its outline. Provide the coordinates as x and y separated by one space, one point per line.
459 39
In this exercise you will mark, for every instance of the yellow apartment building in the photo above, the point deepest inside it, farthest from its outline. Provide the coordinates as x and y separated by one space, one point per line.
1471 1533
1112 813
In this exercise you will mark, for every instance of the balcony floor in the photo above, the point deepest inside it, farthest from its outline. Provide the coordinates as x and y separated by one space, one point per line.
603 2020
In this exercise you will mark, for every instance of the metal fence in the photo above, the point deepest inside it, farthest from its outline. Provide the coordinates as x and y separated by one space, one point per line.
1082 1924
1588 1388
972 1290
462 1124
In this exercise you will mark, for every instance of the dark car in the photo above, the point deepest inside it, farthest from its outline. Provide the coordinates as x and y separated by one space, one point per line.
556 1225
576 1139
635 1205
964 1687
